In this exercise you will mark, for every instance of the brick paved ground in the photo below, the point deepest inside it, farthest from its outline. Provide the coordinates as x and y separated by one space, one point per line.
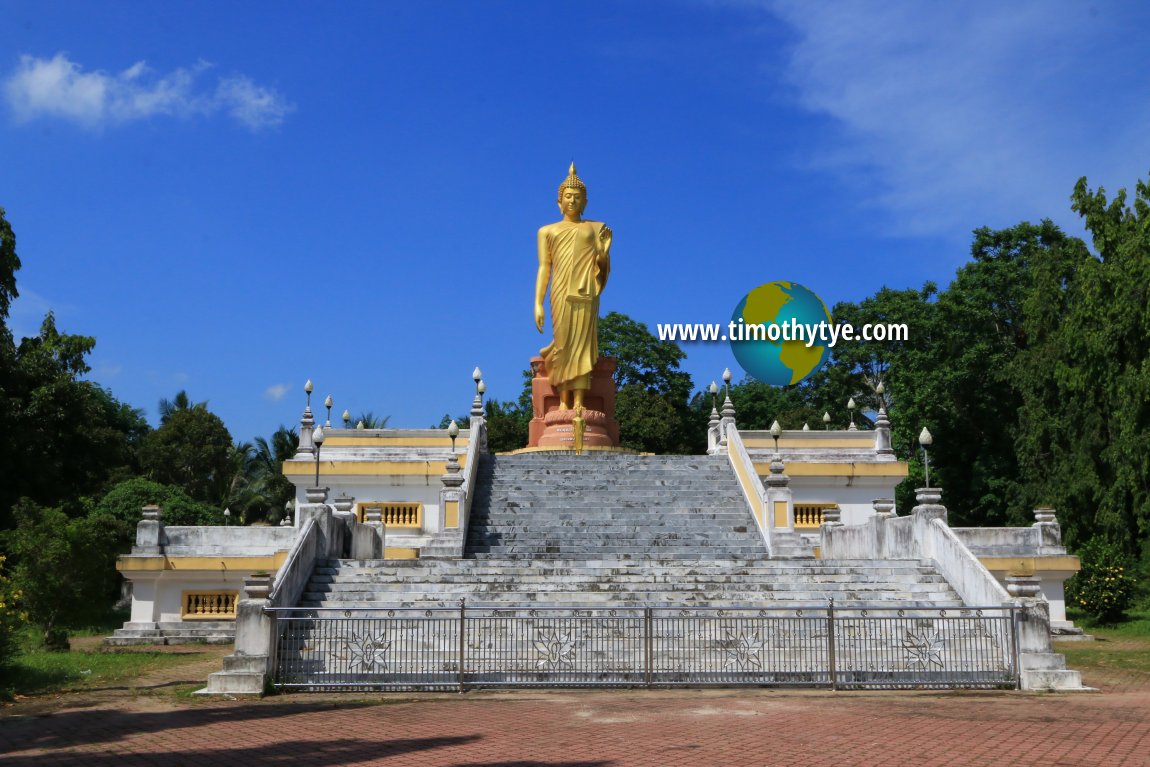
581 729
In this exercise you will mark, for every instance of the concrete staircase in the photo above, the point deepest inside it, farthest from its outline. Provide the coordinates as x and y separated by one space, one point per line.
611 532
173 633
610 506
614 530
620 583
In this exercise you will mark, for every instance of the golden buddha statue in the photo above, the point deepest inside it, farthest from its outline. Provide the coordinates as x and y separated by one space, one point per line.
575 257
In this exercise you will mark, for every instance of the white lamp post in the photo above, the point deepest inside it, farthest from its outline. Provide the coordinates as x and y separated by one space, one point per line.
317 438
925 440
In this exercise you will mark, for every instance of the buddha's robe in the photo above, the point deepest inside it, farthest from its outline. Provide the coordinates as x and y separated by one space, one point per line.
577 279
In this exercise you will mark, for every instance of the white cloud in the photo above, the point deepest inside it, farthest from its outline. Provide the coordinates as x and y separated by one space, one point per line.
59 88
276 392
253 105
954 115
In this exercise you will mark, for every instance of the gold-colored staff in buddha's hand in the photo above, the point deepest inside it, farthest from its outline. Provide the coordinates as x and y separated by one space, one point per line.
575 257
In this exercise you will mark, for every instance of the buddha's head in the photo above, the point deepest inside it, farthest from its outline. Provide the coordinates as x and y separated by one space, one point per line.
572 194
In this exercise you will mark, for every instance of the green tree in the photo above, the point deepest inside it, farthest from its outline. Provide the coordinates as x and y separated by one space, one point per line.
192 450
268 488
65 568
70 437
12 617
125 501
964 371
236 485
9 265
507 425
445 422
1104 587
758 405
653 401
181 402
1086 441
982 333
370 420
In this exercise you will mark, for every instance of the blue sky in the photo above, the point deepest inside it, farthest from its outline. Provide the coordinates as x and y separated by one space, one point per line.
235 199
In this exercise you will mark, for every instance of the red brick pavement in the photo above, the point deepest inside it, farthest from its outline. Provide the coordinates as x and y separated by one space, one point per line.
585 729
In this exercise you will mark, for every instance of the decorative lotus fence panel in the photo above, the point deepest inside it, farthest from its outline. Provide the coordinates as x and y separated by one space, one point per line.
464 647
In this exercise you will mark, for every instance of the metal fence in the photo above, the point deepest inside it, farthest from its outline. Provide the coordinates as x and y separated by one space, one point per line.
812 646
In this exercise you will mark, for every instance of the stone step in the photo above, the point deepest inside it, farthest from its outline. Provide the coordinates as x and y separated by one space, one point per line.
590 543
560 566
701 598
1051 679
581 600
541 582
705 491
621 584
608 510
703 527
622 506
762 568
174 633
638 551
701 524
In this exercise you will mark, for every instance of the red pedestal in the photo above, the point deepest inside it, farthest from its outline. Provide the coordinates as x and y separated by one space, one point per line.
555 430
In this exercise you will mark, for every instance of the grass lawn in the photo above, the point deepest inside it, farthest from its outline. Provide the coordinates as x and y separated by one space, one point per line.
88 666
1120 653
1105 657
37 671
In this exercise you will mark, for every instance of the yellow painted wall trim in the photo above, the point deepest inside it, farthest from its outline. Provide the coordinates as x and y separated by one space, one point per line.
1032 564
393 442
780 513
400 552
272 563
811 469
451 514
749 489
786 444
368 468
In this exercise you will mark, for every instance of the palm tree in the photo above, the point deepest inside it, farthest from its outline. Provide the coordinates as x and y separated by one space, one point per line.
235 486
181 402
268 488
371 421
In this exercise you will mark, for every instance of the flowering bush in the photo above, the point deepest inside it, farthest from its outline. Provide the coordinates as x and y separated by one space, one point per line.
10 617
1103 588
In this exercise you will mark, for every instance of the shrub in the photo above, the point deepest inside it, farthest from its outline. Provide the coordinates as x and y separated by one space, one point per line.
64 568
126 500
11 617
1103 588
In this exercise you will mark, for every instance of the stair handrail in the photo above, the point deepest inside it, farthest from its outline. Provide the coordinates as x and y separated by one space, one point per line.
753 490
955 562
293 574
924 534
477 436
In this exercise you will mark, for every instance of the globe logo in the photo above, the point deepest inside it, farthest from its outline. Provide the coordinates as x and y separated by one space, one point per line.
779 356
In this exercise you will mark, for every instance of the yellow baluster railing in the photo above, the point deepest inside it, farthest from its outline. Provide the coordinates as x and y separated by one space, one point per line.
395 514
810 515
209 605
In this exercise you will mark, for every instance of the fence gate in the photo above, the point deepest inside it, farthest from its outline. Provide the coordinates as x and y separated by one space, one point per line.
464 647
